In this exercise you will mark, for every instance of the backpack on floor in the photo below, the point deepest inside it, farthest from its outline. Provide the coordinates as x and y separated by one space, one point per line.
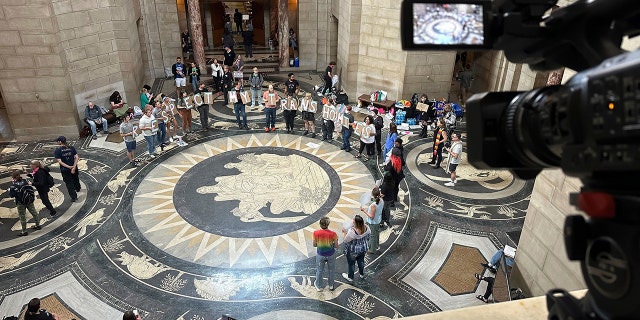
457 109
25 194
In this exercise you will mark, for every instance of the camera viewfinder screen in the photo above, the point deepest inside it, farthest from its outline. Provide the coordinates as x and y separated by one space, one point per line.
448 24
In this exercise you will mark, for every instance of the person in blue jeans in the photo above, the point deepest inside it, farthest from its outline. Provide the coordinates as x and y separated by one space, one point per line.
327 242
391 140
94 118
495 261
358 232
347 130
239 108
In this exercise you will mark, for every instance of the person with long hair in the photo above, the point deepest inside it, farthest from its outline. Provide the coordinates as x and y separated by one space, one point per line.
391 140
358 232
440 137
367 138
117 104
391 177
374 215
40 175
185 113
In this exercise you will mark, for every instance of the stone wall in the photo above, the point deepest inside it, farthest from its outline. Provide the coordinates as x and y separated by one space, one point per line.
541 259
159 37
428 72
33 77
349 13
101 49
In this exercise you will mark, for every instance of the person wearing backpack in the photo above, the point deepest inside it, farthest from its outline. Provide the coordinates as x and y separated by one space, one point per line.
356 244
42 181
67 157
24 195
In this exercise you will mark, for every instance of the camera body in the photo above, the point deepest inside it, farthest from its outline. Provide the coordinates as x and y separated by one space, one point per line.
590 125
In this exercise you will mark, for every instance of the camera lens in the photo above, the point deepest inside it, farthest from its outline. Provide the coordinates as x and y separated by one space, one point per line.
522 131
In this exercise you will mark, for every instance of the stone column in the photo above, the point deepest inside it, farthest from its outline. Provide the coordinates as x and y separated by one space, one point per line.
283 32
195 22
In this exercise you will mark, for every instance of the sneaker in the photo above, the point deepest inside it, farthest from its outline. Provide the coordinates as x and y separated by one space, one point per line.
74 199
450 184
331 288
170 140
362 276
94 137
37 227
133 164
53 213
152 156
105 132
318 289
184 144
346 277
23 233
273 129
175 137
266 129
313 135
306 132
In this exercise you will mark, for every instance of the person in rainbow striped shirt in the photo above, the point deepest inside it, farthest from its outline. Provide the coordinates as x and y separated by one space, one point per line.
327 242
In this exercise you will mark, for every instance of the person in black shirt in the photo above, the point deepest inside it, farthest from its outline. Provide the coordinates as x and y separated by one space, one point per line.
229 56
227 84
40 175
237 17
203 109
328 76
67 157
293 87
378 122
35 313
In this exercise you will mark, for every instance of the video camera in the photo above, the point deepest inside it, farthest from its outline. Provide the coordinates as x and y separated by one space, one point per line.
590 127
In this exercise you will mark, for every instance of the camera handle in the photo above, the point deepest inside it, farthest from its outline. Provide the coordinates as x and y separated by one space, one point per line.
608 246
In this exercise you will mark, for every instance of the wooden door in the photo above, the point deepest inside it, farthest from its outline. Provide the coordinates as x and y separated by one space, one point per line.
258 23
217 23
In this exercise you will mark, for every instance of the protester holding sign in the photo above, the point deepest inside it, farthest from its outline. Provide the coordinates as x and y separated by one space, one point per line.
270 98
367 133
347 129
309 108
328 114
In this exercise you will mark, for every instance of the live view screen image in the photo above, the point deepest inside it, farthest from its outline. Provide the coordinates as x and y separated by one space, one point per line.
448 24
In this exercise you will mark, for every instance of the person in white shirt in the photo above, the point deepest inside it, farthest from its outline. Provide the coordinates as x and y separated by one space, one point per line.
149 126
367 138
216 73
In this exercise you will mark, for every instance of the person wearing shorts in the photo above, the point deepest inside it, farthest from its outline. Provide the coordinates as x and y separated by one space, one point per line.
128 134
179 72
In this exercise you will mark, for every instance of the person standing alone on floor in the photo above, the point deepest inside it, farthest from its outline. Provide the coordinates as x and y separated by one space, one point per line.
455 154
67 157
327 242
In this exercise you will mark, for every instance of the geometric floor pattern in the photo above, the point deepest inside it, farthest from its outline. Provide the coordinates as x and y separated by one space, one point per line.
224 225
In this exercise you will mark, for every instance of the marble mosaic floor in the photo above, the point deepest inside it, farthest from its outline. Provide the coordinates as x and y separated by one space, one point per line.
224 225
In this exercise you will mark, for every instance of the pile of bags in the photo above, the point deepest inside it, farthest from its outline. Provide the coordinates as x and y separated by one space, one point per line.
378 96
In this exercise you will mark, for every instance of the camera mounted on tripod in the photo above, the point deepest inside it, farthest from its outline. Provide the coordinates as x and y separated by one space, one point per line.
589 127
